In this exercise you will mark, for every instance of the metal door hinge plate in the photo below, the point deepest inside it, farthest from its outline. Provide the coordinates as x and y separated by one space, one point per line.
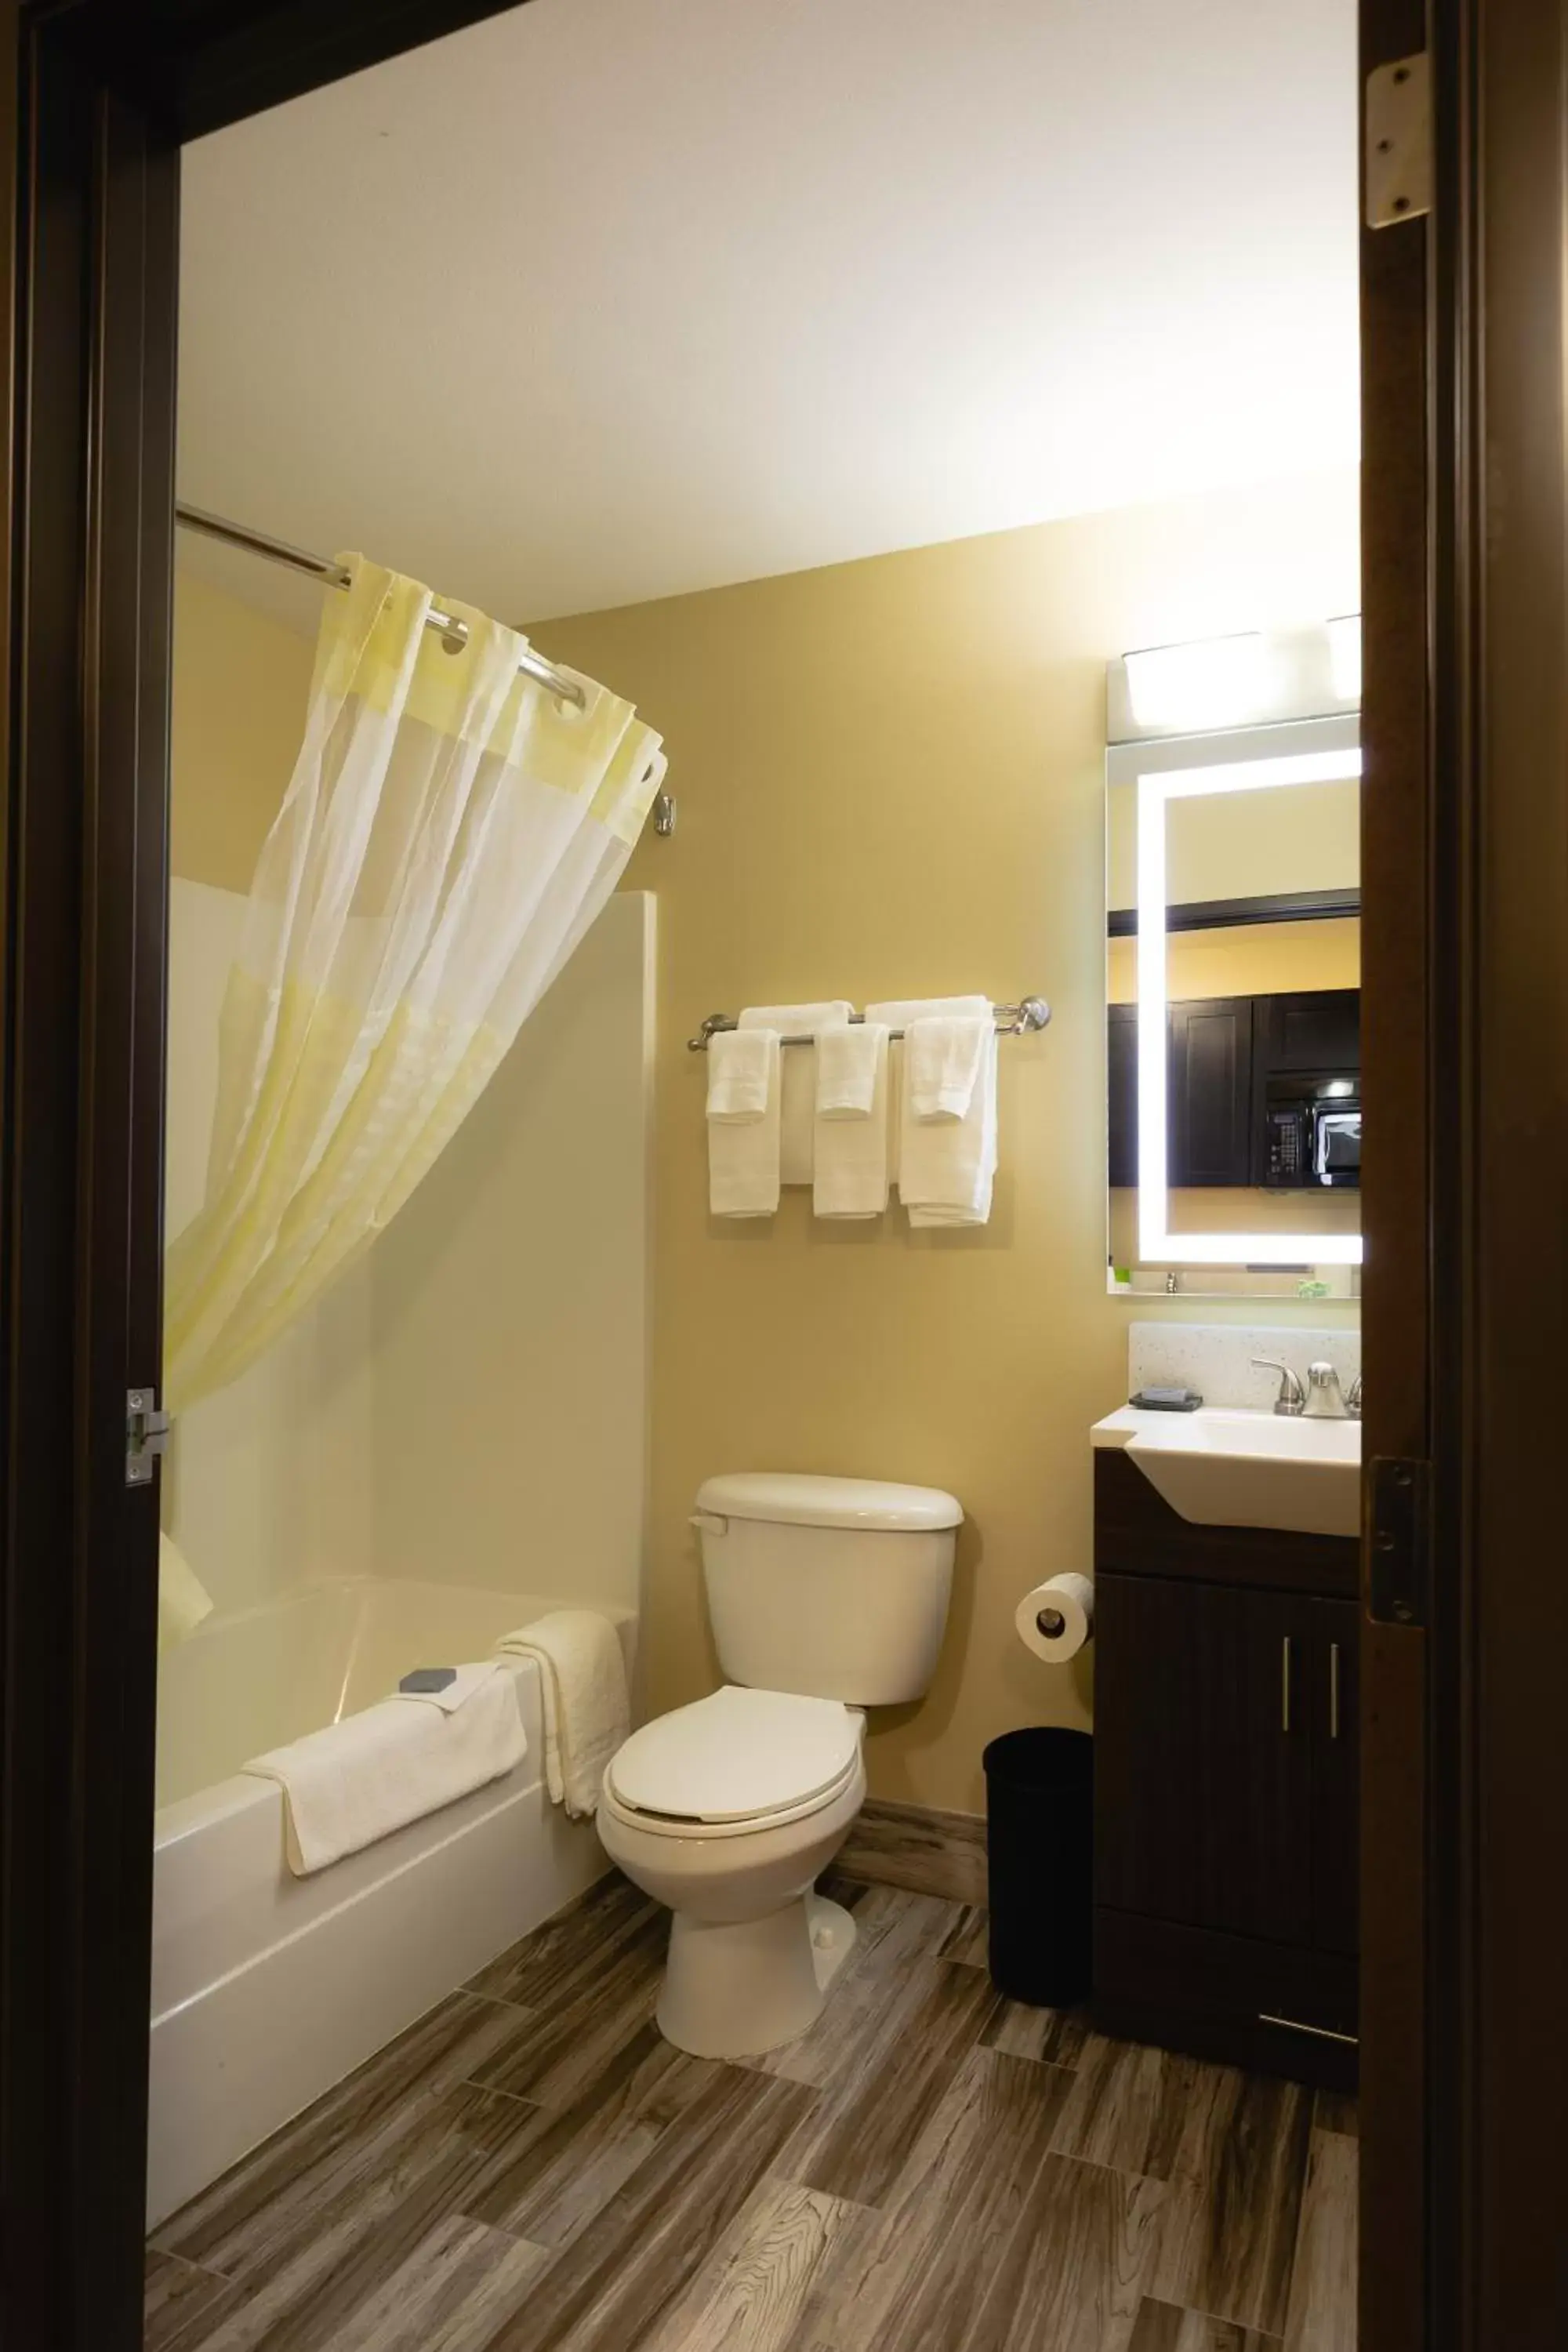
1399 141
1398 1496
146 1435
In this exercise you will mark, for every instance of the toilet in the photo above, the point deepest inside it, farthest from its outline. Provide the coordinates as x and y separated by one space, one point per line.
828 1596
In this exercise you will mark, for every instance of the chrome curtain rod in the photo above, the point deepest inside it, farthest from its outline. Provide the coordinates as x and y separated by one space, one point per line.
1012 1021
454 632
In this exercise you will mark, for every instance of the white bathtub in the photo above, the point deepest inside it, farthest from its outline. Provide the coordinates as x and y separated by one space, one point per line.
267 1989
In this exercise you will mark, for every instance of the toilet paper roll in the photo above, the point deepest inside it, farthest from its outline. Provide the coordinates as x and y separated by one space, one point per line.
1057 1617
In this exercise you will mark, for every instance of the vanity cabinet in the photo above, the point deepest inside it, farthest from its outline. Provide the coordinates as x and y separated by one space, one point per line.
1226 1785
1226 1057
1121 1081
1209 1087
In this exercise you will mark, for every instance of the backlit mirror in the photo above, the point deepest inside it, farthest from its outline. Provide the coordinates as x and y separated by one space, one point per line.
1233 1010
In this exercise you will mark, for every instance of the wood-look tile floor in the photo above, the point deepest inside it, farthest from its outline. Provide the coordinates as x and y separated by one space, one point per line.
931 2169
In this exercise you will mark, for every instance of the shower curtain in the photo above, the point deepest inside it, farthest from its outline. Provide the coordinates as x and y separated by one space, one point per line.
450 831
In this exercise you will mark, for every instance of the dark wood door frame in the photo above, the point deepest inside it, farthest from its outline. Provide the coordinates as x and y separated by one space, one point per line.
1465 2057
1498 2058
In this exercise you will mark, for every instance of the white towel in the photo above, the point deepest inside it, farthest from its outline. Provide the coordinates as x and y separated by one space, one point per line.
587 1712
898 1013
742 1146
377 1771
942 1063
743 1067
848 1063
851 1149
946 1165
798 1105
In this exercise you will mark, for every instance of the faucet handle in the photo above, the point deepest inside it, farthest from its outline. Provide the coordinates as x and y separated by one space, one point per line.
1292 1396
1353 1399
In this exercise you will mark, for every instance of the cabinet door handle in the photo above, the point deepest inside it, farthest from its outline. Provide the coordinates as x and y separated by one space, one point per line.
1333 1690
1284 1647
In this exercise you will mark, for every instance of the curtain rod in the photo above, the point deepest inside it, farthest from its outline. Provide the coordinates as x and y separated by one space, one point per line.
453 631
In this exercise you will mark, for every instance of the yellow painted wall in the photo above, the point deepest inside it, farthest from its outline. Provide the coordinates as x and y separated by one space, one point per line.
1242 844
891 780
1248 960
240 686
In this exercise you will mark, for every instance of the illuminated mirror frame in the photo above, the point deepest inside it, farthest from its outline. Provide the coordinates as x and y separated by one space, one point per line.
1186 767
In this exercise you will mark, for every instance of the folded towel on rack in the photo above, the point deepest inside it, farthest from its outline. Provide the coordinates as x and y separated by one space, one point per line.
899 1012
743 1145
742 1069
375 1772
797 1109
851 1147
946 1165
849 1061
586 1709
942 1063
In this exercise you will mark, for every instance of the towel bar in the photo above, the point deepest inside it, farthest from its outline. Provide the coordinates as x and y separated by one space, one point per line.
1012 1021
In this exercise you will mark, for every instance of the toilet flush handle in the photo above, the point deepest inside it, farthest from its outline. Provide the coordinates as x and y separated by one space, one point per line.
708 1523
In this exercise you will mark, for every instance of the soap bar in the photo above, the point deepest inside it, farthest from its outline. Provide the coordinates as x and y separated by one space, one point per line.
1167 1400
428 1678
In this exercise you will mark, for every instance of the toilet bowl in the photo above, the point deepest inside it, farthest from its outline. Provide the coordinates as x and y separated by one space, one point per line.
828 1595
729 1811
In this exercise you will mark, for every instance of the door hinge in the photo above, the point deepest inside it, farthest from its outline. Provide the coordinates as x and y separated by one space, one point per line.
1398 1493
1399 141
146 1435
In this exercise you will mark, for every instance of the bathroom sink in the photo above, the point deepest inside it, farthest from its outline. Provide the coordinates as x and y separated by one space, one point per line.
1223 1467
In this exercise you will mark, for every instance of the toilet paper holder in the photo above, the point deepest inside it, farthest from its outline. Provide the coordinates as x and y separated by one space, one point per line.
1051 1622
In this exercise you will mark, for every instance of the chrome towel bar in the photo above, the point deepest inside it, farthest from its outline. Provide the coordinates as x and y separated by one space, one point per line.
1012 1021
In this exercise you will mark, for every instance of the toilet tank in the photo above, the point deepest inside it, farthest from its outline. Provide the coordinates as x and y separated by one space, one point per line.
837 1588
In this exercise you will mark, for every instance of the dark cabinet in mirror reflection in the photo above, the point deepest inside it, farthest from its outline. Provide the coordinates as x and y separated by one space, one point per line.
1262 1091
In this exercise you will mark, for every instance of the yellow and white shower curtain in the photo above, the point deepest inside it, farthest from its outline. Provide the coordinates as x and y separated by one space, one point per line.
450 831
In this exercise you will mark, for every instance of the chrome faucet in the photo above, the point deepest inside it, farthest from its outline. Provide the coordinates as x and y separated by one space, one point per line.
1291 1399
1327 1400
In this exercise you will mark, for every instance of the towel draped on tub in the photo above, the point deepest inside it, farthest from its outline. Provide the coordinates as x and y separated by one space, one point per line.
359 1779
586 1709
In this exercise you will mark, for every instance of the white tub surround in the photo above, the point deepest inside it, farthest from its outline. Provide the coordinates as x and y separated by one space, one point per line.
268 1989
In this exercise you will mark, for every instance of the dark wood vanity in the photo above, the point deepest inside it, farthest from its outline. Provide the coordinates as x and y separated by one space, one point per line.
1226 1785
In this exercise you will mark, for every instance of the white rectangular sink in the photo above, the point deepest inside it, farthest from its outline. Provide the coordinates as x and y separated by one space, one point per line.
1222 1467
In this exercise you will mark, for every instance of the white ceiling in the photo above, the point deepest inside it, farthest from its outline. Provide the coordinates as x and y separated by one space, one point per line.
605 300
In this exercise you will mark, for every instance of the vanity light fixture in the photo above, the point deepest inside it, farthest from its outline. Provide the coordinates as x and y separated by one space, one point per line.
1261 677
1212 682
1320 750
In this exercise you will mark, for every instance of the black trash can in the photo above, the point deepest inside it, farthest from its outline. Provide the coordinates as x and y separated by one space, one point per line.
1040 1826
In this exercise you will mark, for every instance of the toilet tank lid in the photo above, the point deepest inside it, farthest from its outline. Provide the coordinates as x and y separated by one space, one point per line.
795 1499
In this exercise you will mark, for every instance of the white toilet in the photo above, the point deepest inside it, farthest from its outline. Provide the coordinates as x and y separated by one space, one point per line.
828 1596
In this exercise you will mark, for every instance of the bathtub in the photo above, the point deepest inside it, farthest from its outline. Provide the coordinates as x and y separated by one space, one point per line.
268 1989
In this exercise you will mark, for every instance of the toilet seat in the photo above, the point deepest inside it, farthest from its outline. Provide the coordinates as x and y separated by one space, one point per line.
741 1760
